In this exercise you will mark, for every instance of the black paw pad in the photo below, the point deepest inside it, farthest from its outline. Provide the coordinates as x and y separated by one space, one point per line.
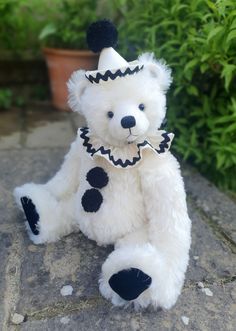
130 283
31 214
97 177
92 200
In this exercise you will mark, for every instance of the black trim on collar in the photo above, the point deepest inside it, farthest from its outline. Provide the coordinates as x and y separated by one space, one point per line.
109 74
163 146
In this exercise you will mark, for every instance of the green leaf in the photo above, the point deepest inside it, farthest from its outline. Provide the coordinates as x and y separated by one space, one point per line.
178 90
213 33
233 24
48 30
211 5
232 14
204 67
231 35
227 74
193 138
220 159
225 119
205 57
190 64
231 148
231 128
192 90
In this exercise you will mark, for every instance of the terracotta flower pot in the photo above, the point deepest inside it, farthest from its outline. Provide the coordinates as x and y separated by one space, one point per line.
61 63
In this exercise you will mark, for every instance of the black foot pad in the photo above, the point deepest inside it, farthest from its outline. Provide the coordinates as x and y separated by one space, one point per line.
130 283
31 214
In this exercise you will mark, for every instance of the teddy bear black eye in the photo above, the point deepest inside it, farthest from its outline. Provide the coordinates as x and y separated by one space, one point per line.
141 106
110 114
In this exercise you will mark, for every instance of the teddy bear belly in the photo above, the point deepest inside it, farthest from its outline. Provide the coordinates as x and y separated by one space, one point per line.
107 212
114 219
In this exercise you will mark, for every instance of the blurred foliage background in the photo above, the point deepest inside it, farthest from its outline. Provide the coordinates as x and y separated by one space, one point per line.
197 38
20 24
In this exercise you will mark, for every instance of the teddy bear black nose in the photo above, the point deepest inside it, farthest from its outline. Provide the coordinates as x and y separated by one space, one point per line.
128 122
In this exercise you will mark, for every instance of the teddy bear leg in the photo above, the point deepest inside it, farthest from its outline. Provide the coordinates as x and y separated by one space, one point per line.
137 272
123 278
48 219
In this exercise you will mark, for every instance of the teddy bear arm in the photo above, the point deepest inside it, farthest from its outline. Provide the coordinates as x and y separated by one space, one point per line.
165 204
169 225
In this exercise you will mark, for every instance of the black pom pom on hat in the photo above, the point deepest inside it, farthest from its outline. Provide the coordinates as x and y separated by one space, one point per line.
101 34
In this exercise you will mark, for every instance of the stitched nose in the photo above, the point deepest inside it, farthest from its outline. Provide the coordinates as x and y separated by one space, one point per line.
128 122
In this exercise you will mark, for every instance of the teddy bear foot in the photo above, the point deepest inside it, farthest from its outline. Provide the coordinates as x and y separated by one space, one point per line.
31 214
130 283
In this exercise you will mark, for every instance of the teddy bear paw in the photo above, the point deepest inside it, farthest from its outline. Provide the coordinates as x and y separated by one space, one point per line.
130 283
31 214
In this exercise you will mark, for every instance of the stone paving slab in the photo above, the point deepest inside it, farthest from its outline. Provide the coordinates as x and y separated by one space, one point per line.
215 204
14 122
73 261
6 243
50 129
211 260
204 313
36 128
10 134
50 135
76 261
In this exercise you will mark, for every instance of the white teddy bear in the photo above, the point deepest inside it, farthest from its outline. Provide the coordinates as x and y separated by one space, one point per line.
119 184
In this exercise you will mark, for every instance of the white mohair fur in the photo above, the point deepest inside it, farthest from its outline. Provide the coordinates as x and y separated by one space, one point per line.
143 207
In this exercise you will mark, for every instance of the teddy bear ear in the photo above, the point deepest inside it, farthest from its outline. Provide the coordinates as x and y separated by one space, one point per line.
77 85
157 69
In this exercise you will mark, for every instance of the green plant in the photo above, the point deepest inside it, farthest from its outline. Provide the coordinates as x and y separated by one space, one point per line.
197 38
59 23
5 98
69 27
20 24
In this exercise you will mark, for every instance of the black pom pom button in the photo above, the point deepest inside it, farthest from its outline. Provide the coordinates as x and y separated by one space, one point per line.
97 177
101 34
91 200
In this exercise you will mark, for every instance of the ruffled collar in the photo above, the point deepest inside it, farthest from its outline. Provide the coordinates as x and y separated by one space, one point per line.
126 156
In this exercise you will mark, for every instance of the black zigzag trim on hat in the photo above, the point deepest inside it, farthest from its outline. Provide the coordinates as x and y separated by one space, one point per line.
108 74
163 146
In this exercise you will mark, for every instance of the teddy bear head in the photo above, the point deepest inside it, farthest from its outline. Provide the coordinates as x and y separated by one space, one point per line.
123 104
